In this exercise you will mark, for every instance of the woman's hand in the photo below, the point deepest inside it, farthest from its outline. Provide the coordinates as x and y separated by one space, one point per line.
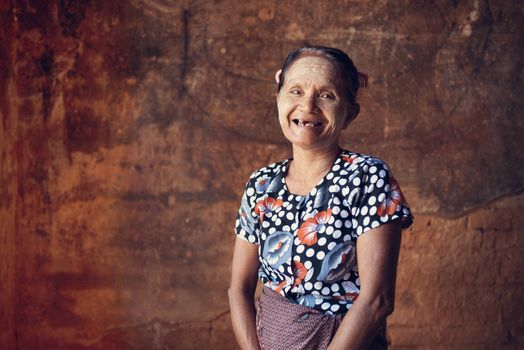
377 254
241 293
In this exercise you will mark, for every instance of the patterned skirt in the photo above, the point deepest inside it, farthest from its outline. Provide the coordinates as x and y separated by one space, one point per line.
284 325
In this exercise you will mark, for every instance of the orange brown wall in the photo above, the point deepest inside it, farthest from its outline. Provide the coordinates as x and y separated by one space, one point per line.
129 129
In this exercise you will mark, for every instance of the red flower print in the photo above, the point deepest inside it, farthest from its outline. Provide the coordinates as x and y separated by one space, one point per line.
349 159
299 272
309 229
393 199
280 286
347 296
267 206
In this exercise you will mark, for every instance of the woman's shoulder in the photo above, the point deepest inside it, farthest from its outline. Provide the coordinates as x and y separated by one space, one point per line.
269 170
364 162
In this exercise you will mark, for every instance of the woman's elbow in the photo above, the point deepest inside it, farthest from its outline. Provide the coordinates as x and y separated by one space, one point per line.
382 306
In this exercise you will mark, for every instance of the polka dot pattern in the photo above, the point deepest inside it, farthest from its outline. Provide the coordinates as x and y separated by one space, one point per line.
302 239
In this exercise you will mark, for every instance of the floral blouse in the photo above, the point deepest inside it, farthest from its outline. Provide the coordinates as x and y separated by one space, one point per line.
307 244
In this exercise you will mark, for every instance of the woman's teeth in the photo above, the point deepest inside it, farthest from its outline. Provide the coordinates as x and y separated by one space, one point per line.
308 124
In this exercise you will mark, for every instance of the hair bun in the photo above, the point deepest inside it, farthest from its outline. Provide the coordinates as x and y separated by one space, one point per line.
362 80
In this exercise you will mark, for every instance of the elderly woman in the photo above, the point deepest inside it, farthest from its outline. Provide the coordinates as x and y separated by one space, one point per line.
321 230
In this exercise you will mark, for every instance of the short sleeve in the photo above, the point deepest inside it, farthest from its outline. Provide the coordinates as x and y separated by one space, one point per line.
381 199
246 224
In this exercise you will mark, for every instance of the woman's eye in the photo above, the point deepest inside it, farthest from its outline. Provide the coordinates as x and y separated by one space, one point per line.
327 96
294 92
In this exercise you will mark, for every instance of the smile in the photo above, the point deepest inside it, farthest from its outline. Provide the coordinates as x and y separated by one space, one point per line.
308 124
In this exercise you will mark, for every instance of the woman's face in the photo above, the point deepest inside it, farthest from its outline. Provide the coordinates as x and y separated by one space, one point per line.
312 104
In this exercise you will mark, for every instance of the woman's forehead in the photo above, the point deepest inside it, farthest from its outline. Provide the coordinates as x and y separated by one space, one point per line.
313 67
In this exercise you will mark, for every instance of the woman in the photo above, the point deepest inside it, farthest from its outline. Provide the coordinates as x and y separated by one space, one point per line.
322 229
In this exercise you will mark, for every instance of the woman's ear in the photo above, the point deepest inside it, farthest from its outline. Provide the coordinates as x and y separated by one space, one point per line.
277 76
352 114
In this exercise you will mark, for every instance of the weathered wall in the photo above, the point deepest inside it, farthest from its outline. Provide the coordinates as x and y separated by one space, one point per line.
8 188
129 130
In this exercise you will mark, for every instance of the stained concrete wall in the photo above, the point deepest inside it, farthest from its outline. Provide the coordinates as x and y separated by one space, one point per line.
129 129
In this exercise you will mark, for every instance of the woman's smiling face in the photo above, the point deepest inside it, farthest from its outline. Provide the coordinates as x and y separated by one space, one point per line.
312 105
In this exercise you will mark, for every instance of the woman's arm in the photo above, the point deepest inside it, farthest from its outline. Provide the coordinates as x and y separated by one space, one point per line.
242 291
377 254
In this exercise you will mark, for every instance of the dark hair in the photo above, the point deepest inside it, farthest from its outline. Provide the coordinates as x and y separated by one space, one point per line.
336 56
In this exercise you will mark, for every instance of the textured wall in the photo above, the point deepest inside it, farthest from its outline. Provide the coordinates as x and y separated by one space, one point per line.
129 130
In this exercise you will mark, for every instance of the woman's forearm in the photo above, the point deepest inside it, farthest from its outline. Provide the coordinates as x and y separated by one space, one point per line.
243 313
361 324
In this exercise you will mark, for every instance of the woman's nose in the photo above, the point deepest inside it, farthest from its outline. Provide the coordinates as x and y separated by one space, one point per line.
309 103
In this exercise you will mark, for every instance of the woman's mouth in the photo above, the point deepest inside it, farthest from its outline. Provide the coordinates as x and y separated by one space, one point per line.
306 123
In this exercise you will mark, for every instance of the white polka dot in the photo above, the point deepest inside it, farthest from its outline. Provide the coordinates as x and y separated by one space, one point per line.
338 224
335 307
331 220
356 181
343 172
321 241
375 224
285 204
335 287
250 191
359 230
334 188
347 224
366 221
372 200
337 234
329 176
251 239
331 245
285 228
387 188
329 230
336 167
343 181
290 215
380 183
290 197
294 226
381 197
308 264
335 210
272 229
364 210
281 213
325 291
308 286
373 211
384 218
265 224
373 179
325 306
345 191
336 201
320 255
344 214
318 285
373 169
382 173
281 268
278 222
300 248
310 252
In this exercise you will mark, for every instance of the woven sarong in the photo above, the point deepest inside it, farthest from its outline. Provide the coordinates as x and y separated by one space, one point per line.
284 325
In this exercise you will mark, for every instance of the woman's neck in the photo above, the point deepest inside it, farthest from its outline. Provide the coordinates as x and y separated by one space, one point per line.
308 167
